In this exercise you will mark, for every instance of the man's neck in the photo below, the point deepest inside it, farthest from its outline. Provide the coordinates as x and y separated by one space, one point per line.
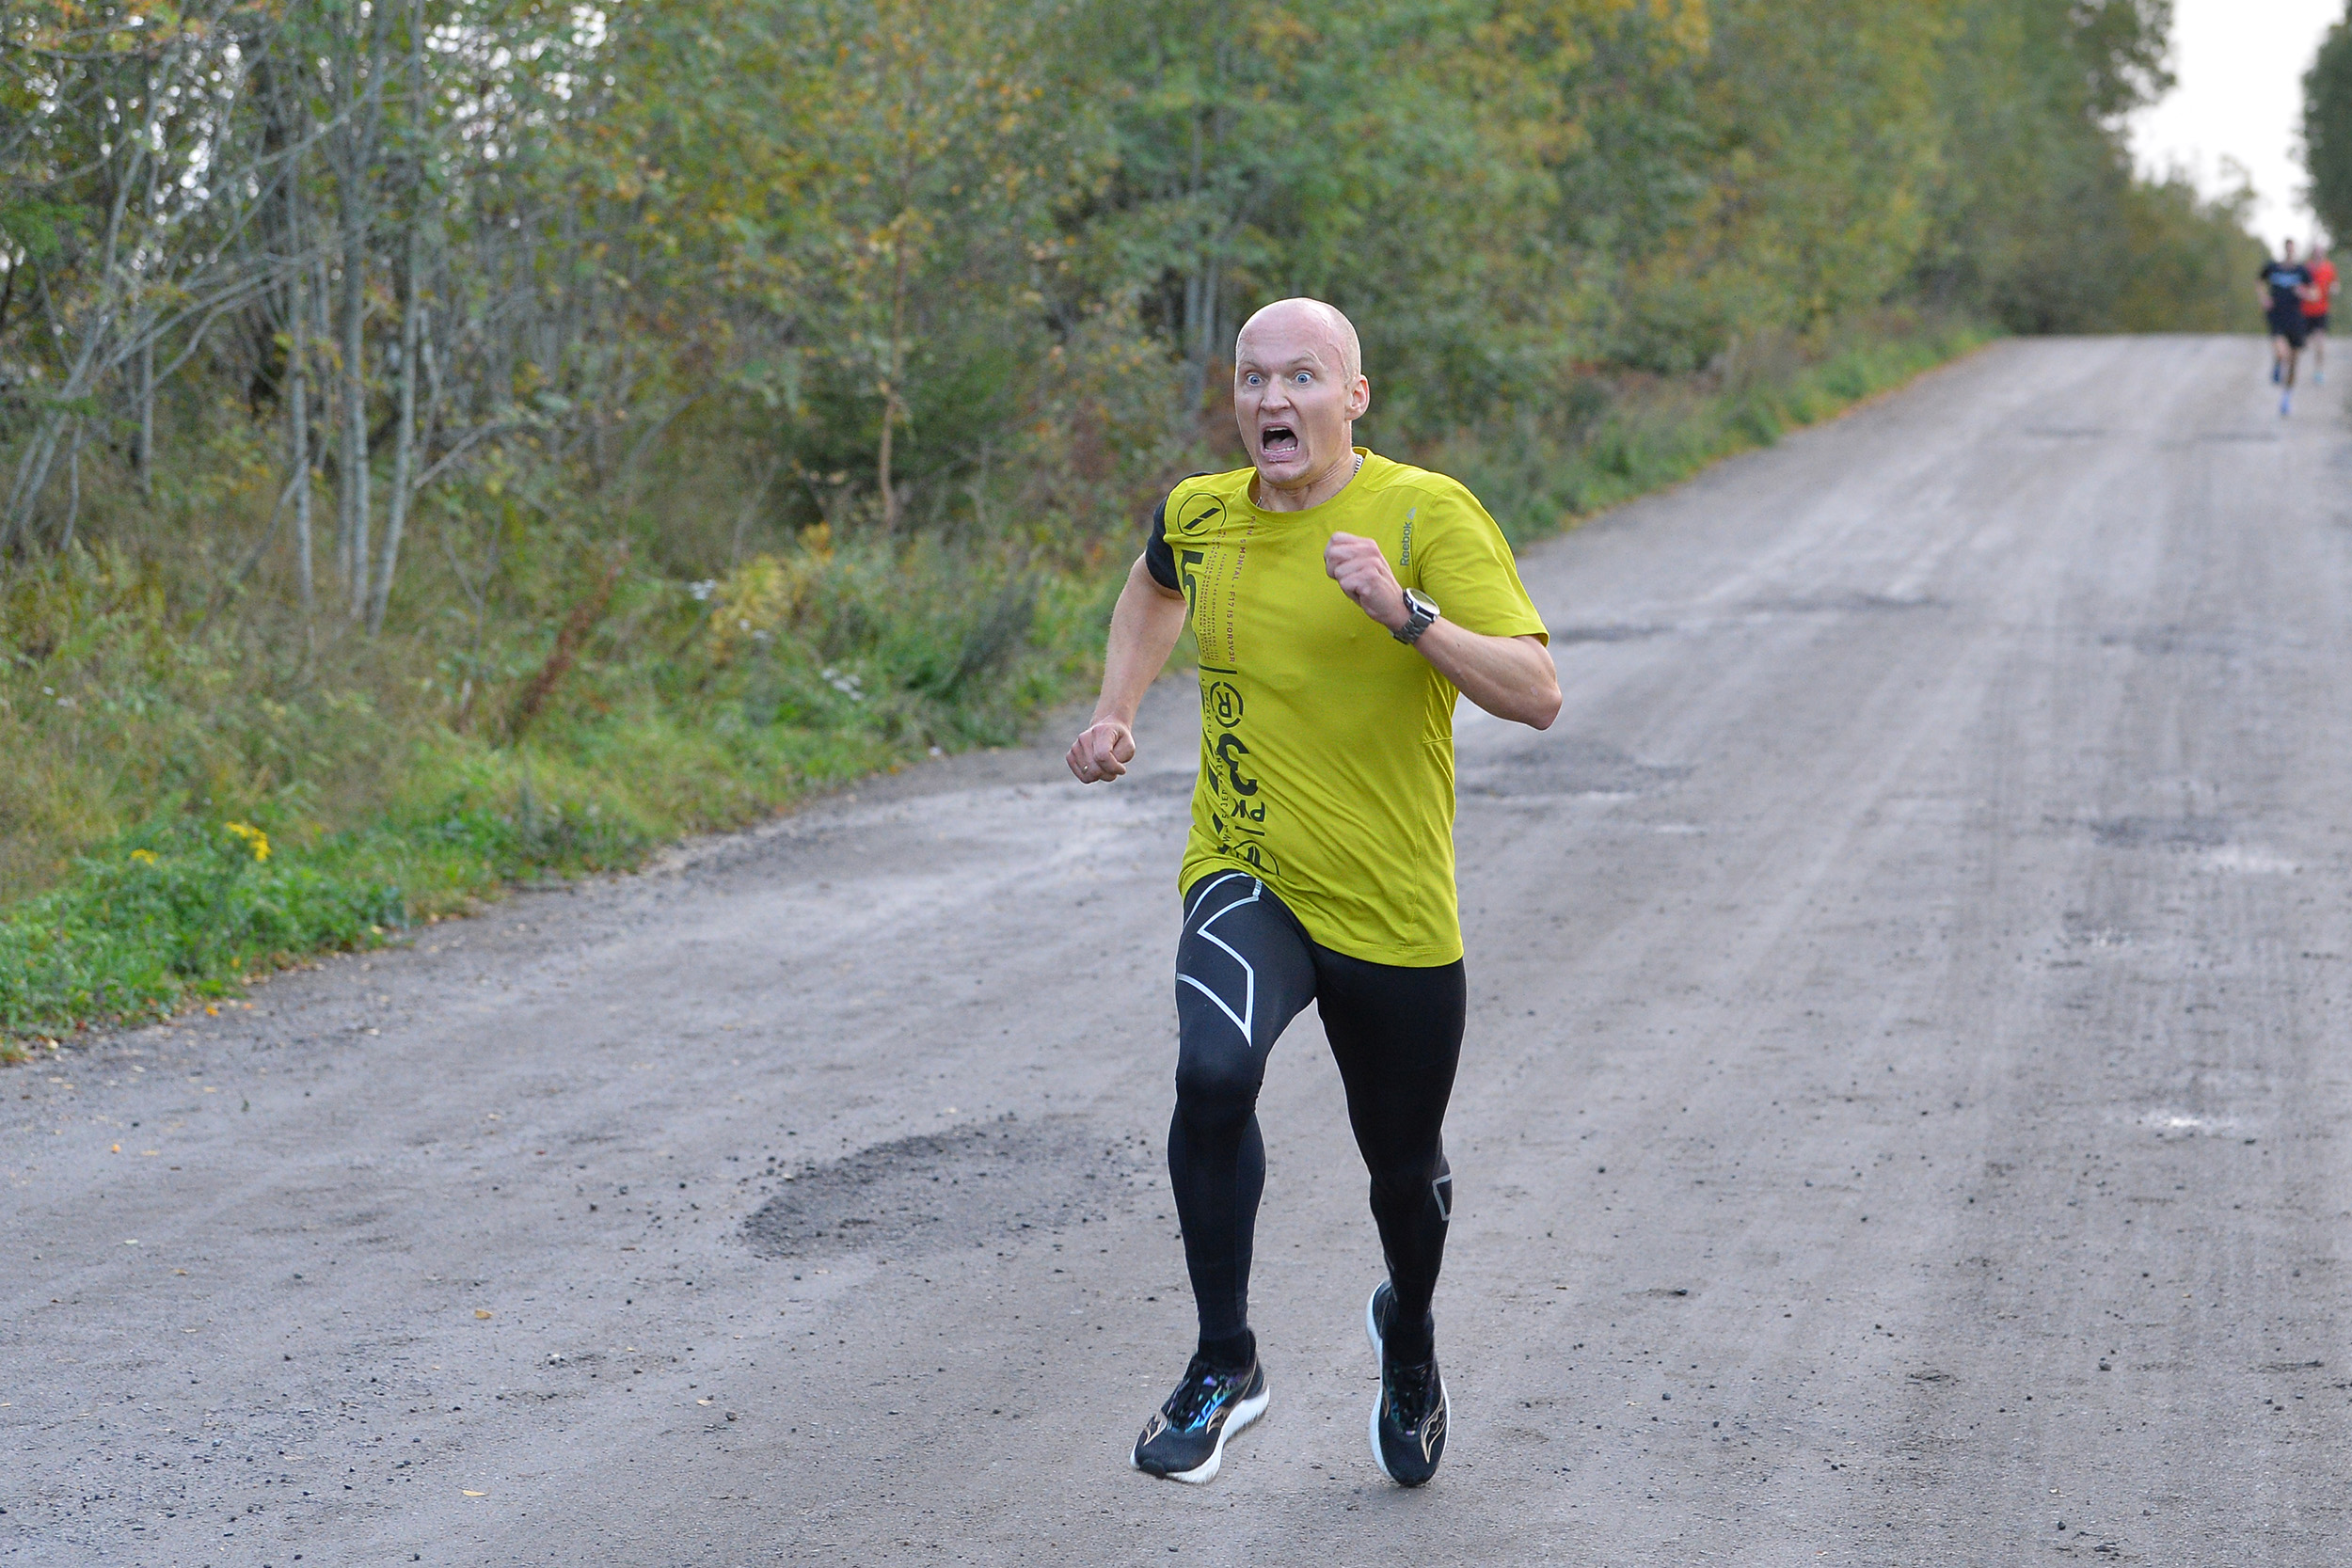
1322 488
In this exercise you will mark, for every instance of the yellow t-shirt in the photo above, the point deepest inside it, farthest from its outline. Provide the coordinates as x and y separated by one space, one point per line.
1326 746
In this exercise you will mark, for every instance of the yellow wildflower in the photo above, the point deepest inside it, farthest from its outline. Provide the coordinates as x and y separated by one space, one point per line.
145 857
254 838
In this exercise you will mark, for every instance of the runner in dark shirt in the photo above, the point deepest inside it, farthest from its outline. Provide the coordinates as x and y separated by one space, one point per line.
2286 283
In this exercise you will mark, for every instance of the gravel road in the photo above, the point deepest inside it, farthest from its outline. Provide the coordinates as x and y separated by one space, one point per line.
1897 1124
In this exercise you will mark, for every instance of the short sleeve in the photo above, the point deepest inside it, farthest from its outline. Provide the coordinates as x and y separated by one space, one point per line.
1462 562
1157 557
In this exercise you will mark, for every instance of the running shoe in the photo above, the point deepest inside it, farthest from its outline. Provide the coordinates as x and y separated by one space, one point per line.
1409 1413
1186 1440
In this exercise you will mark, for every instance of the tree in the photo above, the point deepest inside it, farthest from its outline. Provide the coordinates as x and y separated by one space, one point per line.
129 177
2327 129
801 260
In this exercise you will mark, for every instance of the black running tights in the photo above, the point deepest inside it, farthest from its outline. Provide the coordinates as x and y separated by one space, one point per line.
1243 969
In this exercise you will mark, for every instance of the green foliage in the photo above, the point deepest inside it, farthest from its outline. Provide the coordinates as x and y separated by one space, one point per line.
1607 441
382 806
2186 261
2327 129
2040 219
863 333
379 807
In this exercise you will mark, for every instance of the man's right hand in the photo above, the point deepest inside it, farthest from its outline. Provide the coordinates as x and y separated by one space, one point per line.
1102 752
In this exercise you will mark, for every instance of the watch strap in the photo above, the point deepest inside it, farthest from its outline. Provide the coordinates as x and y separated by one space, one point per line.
1420 614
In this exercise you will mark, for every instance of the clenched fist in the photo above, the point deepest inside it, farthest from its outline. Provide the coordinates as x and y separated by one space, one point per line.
1362 573
1102 752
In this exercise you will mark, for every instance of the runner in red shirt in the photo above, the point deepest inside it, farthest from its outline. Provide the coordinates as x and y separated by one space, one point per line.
2315 310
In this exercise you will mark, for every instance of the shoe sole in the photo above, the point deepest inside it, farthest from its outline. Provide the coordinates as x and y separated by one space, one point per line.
1372 1428
1202 1474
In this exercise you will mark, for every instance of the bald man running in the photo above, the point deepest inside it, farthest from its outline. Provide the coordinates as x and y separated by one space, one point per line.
1341 601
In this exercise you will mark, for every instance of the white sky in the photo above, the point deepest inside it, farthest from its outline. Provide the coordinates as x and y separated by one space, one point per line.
2240 64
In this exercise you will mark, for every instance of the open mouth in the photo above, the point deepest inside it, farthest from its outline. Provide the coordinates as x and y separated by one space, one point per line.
1276 442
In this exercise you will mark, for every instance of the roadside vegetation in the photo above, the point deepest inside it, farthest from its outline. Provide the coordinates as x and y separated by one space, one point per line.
445 442
2327 129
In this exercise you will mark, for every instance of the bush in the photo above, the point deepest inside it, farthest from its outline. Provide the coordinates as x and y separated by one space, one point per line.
161 748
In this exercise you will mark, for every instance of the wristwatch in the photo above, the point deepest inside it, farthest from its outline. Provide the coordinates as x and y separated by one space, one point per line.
1421 613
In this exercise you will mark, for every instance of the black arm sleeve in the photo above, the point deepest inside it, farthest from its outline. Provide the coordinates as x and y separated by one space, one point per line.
1157 557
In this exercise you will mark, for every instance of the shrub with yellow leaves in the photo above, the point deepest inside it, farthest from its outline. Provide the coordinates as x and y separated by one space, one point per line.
765 594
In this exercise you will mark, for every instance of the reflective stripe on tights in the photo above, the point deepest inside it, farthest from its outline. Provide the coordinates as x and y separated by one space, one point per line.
1244 968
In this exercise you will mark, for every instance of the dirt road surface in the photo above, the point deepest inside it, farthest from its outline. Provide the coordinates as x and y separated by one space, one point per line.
1902 1120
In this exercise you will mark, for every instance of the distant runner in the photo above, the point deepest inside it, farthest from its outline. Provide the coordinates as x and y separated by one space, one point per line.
2315 311
2285 289
1320 865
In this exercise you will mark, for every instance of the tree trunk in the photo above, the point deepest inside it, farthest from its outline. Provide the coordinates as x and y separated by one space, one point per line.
411 319
561 658
355 411
73 490
32 468
357 144
298 440
882 461
352 468
32 478
97 328
404 431
890 383
147 419
1197 287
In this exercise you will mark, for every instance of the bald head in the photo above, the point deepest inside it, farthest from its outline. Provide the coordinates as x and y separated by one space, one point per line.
1298 390
1302 318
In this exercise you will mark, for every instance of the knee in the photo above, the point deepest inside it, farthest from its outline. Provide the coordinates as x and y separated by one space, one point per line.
1215 1089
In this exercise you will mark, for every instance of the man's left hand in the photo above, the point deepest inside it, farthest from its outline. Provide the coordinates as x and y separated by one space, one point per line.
1362 573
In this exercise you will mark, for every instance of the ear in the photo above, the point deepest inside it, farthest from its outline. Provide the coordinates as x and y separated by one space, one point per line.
1358 399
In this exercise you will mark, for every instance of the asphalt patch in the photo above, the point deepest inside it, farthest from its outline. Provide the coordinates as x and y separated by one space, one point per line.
1614 633
1845 604
2161 833
966 1186
1569 765
2175 642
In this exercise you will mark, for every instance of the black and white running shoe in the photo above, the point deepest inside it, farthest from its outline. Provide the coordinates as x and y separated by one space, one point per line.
1409 1415
1186 1440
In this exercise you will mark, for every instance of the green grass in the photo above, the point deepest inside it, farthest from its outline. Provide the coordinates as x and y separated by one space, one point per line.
173 914
144 718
